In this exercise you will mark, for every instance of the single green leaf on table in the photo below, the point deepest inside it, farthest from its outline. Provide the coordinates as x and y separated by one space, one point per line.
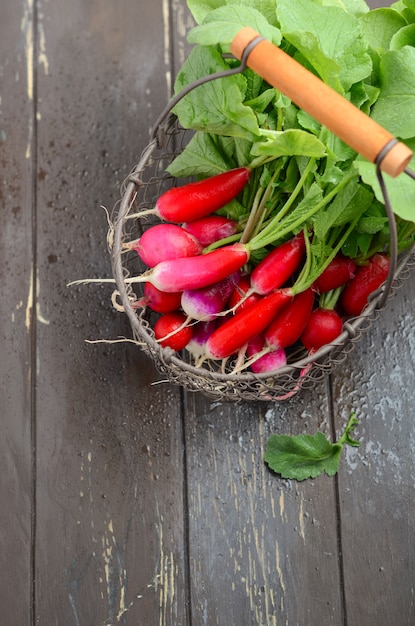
307 456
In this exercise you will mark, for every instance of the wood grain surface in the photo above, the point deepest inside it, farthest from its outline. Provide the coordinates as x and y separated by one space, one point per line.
126 500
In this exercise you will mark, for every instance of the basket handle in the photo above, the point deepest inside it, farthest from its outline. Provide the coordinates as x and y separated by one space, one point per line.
328 107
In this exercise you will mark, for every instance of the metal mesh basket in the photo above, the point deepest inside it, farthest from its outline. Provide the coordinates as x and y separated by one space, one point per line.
146 182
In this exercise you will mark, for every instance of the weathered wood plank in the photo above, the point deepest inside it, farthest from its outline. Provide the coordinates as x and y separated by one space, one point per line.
110 545
16 364
258 544
377 480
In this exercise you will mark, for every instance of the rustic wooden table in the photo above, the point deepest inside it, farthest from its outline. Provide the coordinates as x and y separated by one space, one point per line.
130 503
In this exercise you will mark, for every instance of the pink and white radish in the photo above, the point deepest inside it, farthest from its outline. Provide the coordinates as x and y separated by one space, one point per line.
159 301
195 272
267 363
208 302
200 336
164 242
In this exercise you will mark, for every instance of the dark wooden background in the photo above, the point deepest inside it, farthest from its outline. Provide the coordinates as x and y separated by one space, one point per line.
128 503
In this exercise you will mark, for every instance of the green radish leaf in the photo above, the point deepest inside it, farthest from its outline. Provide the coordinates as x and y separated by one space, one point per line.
260 102
380 25
288 142
404 37
202 157
355 7
216 106
200 8
401 190
329 39
395 105
350 203
266 7
302 456
223 24
295 219
206 155
307 456
373 221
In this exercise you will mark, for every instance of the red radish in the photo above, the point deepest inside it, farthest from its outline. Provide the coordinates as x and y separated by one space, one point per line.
194 200
337 273
160 301
211 228
195 272
323 327
200 335
163 242
238 330
278 266
367 279
267 363
238 299
172 330
289 324
208 302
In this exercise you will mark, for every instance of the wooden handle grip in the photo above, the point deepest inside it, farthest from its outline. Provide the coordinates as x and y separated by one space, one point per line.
328 107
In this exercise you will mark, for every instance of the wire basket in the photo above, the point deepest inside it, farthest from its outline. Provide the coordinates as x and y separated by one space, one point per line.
142 187
147 180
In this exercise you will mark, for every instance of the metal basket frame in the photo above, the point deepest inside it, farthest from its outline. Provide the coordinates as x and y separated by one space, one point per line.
224 385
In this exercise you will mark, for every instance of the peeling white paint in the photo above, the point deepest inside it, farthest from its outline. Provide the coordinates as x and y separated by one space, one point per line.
29 305
164 579
27 30
42 57
166 32
30 302
28 152
301 519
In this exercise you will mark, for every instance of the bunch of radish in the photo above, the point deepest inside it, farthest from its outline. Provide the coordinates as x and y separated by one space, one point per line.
211 298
